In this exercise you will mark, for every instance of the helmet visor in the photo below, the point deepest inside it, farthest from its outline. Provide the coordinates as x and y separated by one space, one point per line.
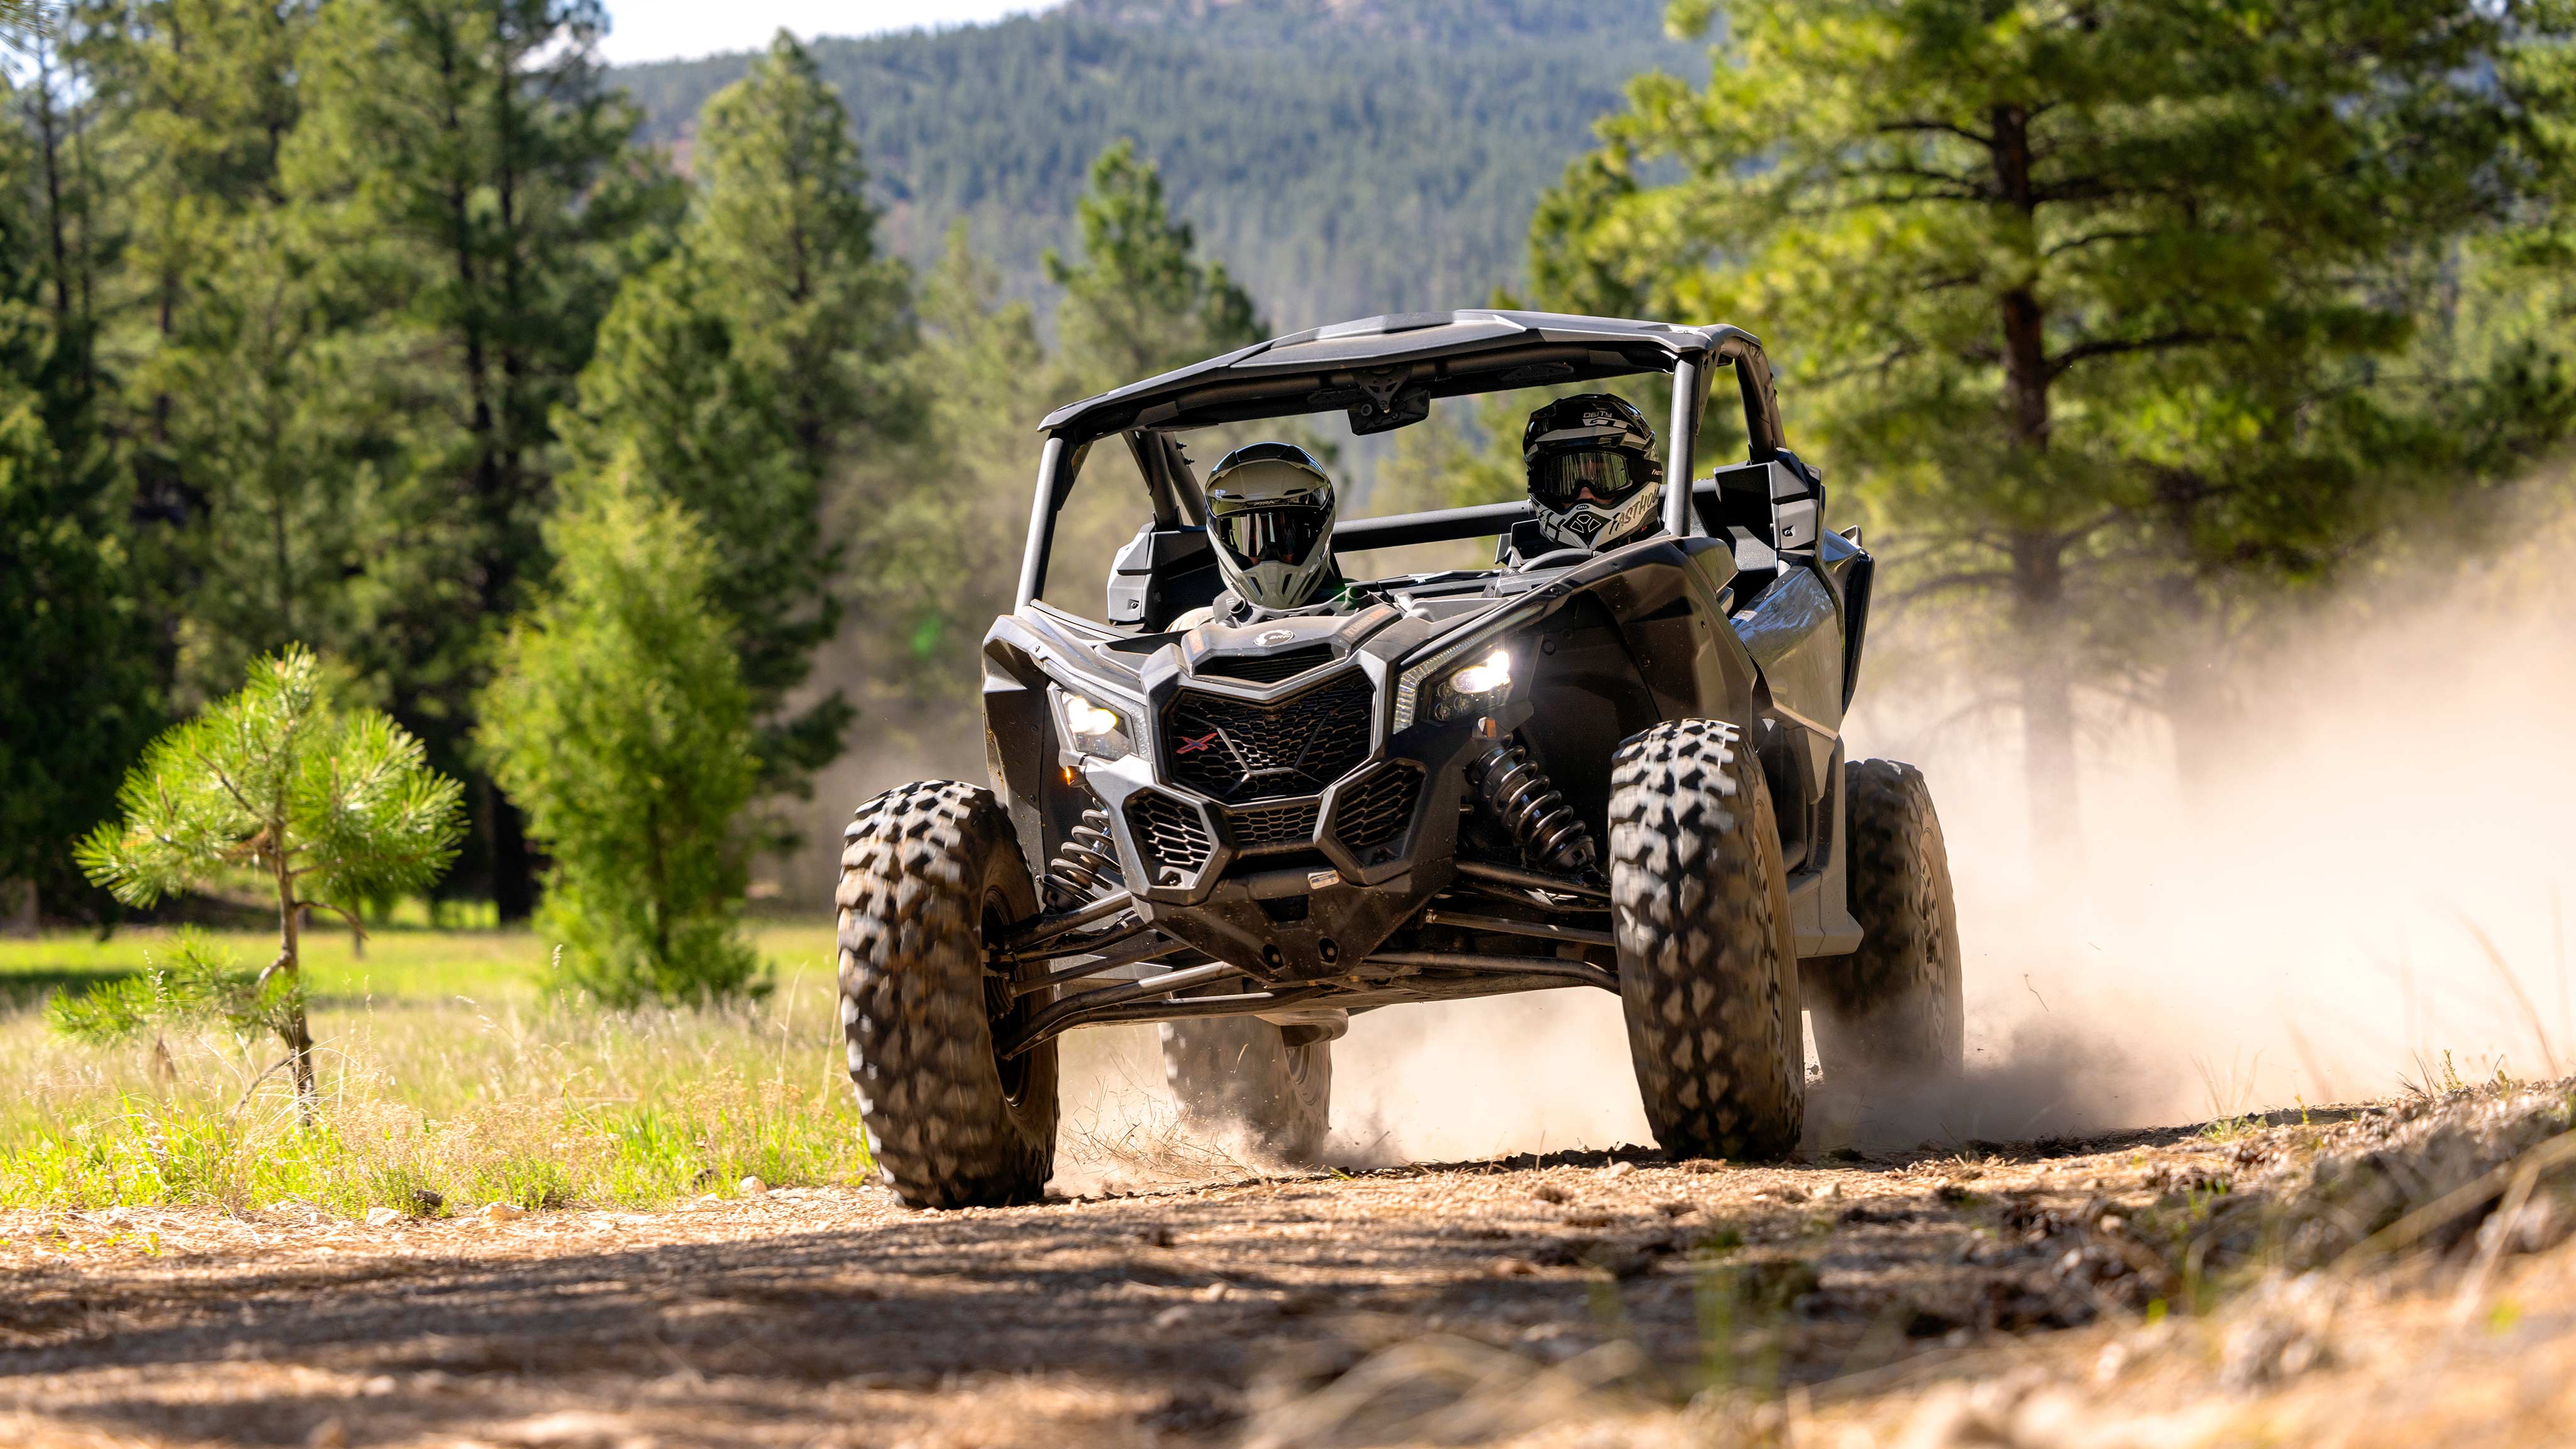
1561 480
1287 532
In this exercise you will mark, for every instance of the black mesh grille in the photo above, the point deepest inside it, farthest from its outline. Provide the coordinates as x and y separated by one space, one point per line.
1235 750
1275 824
1378 808
1168 832
1268 668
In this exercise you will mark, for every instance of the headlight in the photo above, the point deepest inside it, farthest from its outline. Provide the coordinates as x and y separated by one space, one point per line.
1485 676
1454 690
1094 730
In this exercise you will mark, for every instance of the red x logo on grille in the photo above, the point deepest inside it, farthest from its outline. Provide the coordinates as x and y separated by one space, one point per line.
1192 747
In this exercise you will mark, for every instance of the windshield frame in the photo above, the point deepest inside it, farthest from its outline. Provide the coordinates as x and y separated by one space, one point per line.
1502 352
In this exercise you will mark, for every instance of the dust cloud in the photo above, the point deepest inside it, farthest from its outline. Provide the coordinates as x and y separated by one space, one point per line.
1450 1081
2355 883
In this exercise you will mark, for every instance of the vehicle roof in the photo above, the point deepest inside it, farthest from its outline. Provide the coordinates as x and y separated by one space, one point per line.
1446 354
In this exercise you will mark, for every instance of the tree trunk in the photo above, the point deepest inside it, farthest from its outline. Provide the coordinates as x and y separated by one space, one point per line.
2201 699
299 1033
2047 704
19 915
51 147
2039 609
514 866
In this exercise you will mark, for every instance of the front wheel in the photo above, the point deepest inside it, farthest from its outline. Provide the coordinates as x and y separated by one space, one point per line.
1242 1074
1708 969
931 876
1897 1005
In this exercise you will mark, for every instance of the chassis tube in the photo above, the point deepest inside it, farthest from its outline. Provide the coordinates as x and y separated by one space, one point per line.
1583 971
1412 990
1045 929
1546 930
1679 445
1047 1022
1150 949
1512 875
1252 1004
1042 511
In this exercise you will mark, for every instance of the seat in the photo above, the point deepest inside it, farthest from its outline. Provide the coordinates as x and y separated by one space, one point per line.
1161 574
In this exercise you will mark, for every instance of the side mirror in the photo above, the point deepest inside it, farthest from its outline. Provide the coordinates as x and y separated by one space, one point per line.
1767 509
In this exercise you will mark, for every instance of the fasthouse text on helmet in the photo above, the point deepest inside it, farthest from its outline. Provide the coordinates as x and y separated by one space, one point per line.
1593 477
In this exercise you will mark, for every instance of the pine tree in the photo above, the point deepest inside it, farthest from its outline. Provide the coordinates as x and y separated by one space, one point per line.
472 201
784 223
78 687
936 526
1141 301
2088 297
314 805
750 367
251 451
619 719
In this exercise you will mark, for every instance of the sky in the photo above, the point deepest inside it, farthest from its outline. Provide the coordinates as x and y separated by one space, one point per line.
642 30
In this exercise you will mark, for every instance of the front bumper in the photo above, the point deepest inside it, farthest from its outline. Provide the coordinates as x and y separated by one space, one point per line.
1293 887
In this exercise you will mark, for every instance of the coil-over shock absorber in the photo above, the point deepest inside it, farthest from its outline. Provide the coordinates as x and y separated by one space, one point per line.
1086 865
1550 835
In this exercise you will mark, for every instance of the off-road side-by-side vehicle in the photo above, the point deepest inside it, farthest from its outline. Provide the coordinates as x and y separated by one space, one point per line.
1620 769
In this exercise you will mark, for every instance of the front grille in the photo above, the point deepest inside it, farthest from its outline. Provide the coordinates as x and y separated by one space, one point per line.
1169 834
1236 750
1292 823
1268 668
1377 809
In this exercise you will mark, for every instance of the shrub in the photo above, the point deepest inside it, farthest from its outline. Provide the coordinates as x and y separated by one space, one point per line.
619 723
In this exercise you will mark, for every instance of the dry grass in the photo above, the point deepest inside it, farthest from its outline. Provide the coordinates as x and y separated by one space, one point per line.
448 1074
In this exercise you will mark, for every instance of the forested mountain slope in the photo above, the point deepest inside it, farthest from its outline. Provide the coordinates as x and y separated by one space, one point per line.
1342 157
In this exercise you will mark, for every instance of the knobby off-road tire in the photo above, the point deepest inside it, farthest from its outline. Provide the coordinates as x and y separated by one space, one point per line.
930 873
1896 1005
1239 1074
1708 969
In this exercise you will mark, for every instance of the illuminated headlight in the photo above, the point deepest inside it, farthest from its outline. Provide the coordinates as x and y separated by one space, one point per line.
1094 730
1454 691
1484 676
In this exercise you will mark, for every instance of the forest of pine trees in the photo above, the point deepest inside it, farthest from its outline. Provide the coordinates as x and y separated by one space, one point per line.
313 316
342 323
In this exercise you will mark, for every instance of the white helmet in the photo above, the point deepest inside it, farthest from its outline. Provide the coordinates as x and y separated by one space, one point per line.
1270 513
1593 478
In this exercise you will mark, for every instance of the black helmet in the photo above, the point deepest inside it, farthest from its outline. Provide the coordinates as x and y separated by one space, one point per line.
1592 471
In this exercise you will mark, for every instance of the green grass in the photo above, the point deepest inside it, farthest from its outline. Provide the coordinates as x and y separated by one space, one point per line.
444 1066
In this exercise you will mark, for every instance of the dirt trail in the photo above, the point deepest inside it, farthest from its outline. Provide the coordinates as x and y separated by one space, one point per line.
1582 1295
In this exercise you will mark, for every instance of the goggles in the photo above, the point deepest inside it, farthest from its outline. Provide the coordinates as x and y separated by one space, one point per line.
1562 480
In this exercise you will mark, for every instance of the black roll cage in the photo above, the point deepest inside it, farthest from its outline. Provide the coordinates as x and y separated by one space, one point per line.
1379 368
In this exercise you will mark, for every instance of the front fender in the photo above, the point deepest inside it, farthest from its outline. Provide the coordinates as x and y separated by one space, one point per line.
1623 642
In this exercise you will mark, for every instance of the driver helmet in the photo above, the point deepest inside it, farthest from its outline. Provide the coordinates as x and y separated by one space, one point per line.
1270 512
1593 478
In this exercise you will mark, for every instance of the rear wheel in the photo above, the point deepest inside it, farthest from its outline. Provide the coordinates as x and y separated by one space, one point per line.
1896 1005
1708 969
1241 1074
931 877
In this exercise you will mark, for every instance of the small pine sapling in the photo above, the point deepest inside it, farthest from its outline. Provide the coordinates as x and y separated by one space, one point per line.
325 807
